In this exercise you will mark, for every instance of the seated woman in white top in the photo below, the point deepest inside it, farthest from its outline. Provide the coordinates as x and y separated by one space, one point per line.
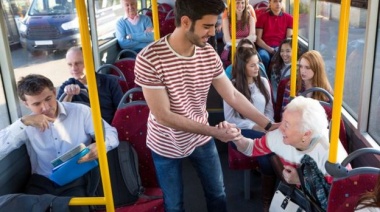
246 78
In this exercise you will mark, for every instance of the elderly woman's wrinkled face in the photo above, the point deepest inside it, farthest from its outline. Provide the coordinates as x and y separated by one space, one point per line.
291 130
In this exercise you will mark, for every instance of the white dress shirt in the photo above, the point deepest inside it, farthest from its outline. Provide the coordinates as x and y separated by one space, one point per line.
72 127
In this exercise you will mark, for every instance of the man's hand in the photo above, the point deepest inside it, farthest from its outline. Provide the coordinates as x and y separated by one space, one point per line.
92 155
290 175
38 121
274 126
227 132
72 89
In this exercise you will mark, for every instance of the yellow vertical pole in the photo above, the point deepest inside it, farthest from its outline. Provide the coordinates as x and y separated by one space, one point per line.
339 78
293 72
233 29
95 109
156 24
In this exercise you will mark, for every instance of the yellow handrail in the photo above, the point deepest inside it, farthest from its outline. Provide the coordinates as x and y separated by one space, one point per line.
339 78
156 25
293 75
233 30
96 118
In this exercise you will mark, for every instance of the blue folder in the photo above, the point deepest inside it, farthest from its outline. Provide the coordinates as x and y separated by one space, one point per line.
71 169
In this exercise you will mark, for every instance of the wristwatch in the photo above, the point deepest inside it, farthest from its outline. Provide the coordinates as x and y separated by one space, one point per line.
269 125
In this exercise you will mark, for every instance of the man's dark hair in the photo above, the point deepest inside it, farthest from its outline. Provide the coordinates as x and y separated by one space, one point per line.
33 84
196 9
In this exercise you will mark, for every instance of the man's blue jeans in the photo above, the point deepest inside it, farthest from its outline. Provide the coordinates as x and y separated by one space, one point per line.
205 160
265 56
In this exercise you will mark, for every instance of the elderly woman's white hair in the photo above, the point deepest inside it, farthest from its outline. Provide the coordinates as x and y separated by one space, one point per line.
313 115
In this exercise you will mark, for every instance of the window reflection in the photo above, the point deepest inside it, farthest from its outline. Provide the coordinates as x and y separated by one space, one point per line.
326 39
4 121
374 117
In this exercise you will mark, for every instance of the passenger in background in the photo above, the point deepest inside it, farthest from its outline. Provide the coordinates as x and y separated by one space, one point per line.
242 43
213 40
245 28
272 28
247 80
311 73
370 201
281 65
133 31
52 129
303 130
109 90
169 73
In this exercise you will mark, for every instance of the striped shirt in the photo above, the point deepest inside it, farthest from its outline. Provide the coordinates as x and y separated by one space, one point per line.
187 81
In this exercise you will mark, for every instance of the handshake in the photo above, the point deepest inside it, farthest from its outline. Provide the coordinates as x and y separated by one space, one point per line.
228 132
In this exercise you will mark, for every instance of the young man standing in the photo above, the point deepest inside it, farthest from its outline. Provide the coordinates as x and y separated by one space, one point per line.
176 73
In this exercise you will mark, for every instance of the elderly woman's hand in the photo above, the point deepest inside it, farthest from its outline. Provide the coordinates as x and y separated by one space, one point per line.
290 175
227 132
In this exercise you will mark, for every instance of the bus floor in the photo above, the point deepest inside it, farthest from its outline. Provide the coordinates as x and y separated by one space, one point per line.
233 179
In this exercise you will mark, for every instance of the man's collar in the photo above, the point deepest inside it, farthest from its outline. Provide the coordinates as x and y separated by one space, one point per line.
280 14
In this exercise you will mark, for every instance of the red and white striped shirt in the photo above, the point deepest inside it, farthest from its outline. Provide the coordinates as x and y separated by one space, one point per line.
187 81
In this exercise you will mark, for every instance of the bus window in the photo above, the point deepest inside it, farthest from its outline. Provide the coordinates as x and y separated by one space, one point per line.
304 18
326 38
374 116
4 121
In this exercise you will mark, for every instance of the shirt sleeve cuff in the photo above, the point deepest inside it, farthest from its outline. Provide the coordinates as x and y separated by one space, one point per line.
248 151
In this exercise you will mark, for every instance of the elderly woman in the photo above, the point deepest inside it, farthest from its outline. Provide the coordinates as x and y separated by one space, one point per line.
303 130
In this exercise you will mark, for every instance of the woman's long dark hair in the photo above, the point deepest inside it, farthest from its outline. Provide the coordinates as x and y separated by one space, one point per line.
239 76
278 62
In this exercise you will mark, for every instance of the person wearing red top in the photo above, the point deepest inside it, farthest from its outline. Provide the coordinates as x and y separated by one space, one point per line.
272 28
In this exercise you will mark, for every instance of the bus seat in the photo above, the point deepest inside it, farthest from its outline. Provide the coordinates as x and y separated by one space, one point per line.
239 161
163 10
261 4
15 167
167 26
133 94
259 11
130 122
118 73
348 186
126 53
127 67
328 109
145 203
280 97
